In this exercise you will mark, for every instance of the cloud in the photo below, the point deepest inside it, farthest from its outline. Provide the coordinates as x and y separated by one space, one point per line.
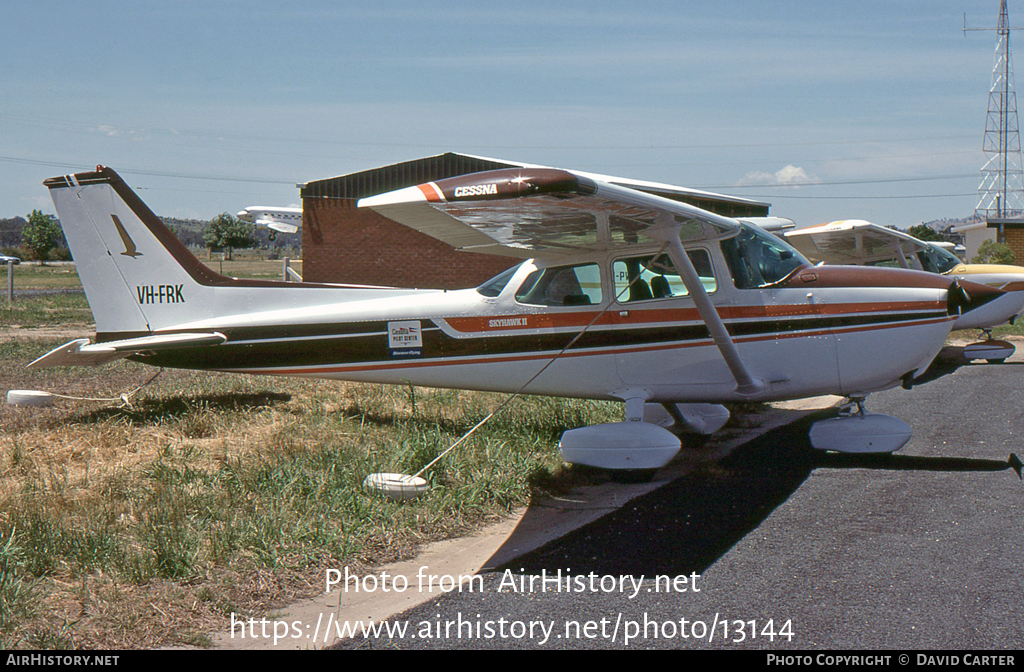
790 175
117 132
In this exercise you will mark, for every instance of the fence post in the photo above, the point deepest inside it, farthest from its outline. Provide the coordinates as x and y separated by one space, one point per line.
288 274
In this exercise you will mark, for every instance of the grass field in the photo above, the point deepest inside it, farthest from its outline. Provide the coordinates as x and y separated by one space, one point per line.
214 494
141 525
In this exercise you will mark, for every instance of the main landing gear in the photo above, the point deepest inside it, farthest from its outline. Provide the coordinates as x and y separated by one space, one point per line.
856 431
633 451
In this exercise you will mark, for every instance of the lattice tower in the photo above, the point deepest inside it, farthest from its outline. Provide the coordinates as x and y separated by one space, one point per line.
1002 180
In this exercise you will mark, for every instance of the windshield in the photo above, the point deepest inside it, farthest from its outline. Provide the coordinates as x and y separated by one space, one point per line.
937 260
756 258
493 287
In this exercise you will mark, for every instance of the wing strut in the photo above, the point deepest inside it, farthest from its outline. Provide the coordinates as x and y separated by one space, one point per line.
746 384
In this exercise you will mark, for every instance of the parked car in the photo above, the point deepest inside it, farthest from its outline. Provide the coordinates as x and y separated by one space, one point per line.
4 259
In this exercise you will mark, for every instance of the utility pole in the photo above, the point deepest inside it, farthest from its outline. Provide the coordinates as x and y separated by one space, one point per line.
1001 189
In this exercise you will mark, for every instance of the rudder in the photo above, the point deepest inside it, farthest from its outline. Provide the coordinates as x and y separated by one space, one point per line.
137 276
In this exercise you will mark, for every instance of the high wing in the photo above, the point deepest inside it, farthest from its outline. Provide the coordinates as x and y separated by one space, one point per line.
544 213
853 241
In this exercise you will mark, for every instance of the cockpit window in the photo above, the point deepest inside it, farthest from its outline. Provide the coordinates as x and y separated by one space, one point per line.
493 287
562 286
937 260
757 258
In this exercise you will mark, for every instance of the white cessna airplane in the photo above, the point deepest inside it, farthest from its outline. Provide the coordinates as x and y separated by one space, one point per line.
621 295
277 219
855 241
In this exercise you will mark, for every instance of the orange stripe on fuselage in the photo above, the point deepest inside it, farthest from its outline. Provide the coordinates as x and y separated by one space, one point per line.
470 325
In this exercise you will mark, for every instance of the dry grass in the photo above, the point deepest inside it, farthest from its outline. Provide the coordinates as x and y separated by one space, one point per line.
149 525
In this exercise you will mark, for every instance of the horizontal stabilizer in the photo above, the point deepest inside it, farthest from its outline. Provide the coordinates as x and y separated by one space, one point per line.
80 352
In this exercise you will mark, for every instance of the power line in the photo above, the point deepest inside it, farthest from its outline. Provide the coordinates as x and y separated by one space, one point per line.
150 173
829 183
860 198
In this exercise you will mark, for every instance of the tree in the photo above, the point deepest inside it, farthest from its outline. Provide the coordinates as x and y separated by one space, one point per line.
992 252
228 233
925 233
41 235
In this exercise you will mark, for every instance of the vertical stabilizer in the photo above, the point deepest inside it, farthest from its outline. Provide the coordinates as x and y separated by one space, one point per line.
137 276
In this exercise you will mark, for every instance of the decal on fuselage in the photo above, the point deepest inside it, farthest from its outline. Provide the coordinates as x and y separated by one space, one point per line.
129 244
405 339
505 322
160 294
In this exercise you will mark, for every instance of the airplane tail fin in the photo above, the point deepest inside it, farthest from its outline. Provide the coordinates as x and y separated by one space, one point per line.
140 279
137 276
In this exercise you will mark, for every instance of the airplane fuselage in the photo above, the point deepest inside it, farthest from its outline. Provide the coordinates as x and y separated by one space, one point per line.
818 331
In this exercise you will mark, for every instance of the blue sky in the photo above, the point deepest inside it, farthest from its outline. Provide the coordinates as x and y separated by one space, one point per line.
828 110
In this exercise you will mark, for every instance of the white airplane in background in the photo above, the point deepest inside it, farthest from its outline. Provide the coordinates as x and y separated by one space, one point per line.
855 241
277 219
621 295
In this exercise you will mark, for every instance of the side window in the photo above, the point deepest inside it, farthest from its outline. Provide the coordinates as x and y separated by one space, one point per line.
645 278
562 286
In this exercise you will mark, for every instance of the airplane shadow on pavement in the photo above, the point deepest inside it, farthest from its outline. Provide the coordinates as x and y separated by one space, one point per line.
689 523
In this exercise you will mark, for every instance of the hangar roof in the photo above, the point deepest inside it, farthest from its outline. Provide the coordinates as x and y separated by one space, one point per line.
1006 222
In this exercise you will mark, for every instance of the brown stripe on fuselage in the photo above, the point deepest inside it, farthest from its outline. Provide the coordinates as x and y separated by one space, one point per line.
534 356
366 342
